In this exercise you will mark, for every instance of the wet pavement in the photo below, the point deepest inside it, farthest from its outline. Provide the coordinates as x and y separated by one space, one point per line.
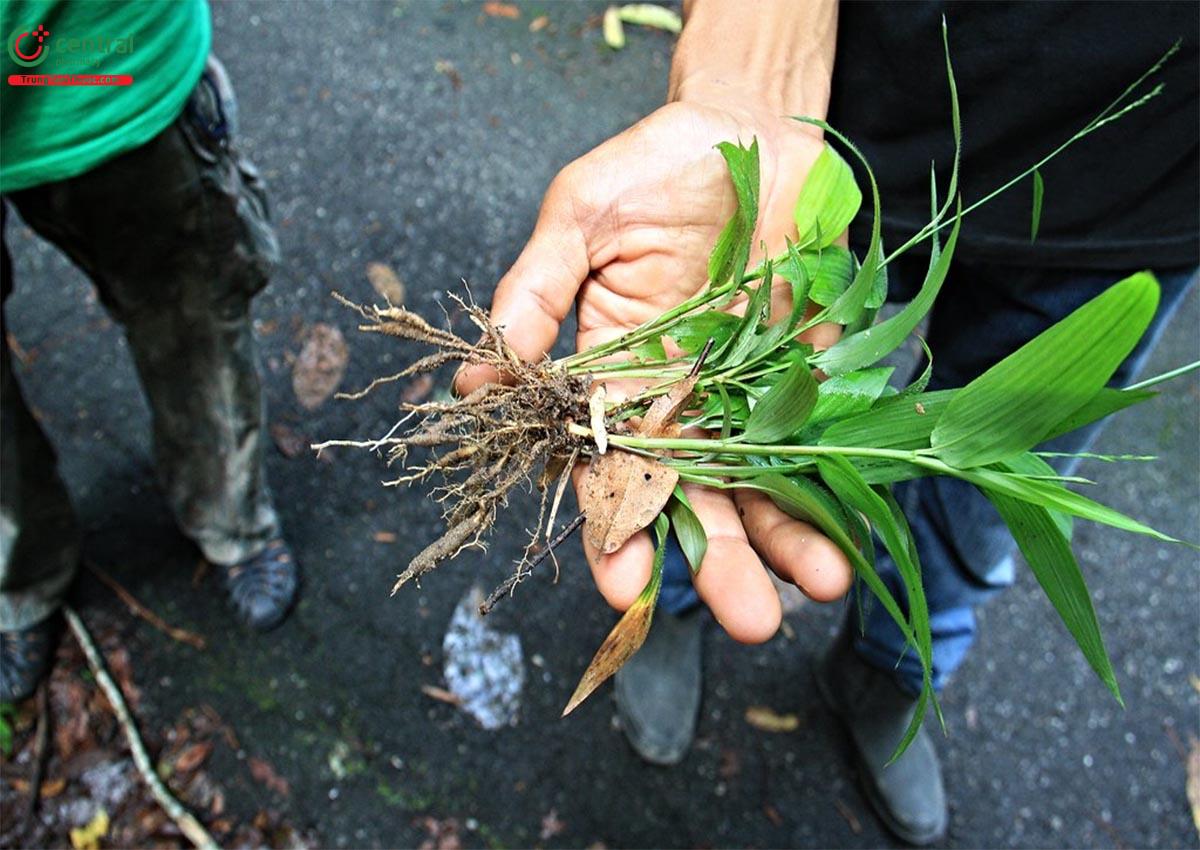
421 135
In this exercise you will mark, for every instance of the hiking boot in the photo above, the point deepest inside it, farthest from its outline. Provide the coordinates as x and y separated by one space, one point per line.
908 794
658 689
263 587
25 657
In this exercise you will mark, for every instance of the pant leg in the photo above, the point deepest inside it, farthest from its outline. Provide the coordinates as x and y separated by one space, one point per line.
175 236
39 539
966 551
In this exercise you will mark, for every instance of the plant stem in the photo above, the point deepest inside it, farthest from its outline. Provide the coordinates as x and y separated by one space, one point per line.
1164 377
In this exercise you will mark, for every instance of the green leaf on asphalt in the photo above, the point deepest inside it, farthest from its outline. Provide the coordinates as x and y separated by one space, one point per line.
828 202
732 250
873 344
688 530
1013 405
1049 556
1039 190
784 408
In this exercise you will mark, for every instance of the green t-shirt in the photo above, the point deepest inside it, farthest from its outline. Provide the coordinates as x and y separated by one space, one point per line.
50 133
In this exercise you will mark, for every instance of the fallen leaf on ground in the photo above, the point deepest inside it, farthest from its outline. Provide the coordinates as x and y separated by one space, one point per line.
320 367
290 443
417 389
88 837
446 68
265 774
1193 782
851 819
651 15
386 283
501 10
384 537
539 23
768 720
443 834
193 757
614 31
551 825
440 694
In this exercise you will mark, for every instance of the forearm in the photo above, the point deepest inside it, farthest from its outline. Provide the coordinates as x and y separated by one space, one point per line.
778 53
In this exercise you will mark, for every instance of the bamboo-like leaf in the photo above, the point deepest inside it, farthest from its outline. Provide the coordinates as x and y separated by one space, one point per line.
692 332
829 270
732 250
873 344
1049 556
1030 464
1013 405
849 394
688 530
901 422
1103 403
828 202
745 338
630 632
785 407
1039 190
849 486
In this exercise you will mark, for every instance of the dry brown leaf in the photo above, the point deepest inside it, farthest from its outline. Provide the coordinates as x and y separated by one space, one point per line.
446 67
767 720
384 537
1193 781
320 367
622 642
552 825
417 390
386 283
265 774
290 443
539 23
441 694
622 494
501 10
193 757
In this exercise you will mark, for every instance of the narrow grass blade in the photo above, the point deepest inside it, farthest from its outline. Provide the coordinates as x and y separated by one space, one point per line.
1039 190
1049 556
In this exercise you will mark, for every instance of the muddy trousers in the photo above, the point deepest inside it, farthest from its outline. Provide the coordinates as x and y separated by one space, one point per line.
175 236
983 314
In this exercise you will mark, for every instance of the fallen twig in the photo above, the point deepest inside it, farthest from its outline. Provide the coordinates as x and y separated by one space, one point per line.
185 820
181 635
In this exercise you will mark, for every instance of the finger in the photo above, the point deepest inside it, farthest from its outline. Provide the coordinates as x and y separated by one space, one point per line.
535 295
795 550
732 581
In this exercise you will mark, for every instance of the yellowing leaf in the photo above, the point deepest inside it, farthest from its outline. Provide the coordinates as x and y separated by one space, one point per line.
651 15
767 720
88 837
614 32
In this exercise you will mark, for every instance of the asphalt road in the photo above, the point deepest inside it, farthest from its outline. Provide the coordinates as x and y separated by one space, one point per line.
374 154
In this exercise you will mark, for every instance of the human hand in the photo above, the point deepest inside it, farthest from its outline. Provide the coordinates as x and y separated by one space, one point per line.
624 233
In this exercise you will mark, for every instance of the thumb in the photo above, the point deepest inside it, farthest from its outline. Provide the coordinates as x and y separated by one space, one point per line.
536 294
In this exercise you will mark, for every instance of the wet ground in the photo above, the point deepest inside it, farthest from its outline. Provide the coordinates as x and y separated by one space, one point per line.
376 150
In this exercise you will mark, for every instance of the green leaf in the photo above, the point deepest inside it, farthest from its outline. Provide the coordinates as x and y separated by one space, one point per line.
651 15
902 422
1013 405
651 349
692 332
1048 494
732 250
849 394
873 344
1103 403
785 407
828 202
746 338
1031 464
1039 190
848 485
688 530
829 271
1049 556
850 304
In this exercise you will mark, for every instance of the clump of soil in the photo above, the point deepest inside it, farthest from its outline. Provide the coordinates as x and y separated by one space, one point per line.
479 447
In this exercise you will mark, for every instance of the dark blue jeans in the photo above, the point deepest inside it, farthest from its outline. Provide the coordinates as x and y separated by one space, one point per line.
982 315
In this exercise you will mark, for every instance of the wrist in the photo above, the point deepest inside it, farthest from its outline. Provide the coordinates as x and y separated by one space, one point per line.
775 55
